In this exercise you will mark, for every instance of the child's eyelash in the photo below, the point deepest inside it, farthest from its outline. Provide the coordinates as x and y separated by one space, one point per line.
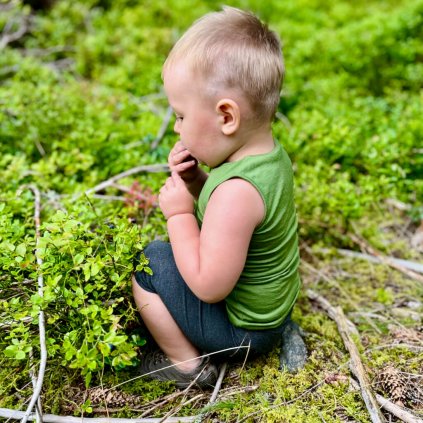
179 118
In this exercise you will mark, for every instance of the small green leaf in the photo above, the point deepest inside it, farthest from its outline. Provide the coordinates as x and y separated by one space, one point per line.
20 355
95 268
21 250
88 378
78 259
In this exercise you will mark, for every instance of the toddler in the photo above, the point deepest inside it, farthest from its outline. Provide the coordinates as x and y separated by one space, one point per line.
225 285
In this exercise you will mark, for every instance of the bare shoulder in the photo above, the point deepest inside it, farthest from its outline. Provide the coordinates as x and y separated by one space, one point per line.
238 198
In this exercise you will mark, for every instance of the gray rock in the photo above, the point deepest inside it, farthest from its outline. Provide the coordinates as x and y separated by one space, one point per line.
293 350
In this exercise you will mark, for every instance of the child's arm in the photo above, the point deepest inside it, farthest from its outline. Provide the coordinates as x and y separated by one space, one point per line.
211 260
181 161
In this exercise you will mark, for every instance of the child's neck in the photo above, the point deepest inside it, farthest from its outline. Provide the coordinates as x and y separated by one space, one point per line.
253 143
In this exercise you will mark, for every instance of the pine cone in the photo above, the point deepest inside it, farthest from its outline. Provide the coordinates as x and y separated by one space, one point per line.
111 398
342 415
393 384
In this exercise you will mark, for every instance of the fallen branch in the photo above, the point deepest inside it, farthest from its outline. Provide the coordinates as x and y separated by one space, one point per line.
38 381
284 120
43 52
38 405
164 401
357 368
242 390
160 134
157 168
398 204
9 69
163 128
346 328
8 324
52 418
410 265
182 404
8 38
60 64
412 348
172 397
384 259
218 383
394 409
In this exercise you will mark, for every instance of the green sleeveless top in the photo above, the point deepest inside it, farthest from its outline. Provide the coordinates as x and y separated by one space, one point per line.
269 284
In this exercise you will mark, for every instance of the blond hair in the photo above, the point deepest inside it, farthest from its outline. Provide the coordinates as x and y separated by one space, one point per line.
233 49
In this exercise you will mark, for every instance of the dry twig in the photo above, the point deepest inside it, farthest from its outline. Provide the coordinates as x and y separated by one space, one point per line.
52 418
218 383
411 265
163 128
9 37
346 328
160 134
164 401
182 404
38 382
157 168
172 412
394 409
357 367
384 259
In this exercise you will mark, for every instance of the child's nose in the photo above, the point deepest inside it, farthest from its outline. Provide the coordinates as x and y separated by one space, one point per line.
176 128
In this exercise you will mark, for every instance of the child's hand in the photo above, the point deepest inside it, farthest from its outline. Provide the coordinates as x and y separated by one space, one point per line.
175 198
181 162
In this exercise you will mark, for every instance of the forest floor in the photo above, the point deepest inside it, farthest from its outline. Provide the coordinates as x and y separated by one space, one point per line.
382 300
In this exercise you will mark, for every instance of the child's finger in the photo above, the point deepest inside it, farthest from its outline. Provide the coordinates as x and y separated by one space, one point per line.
177 180
182 156
181 167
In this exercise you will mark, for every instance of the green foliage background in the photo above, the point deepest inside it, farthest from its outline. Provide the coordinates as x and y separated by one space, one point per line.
81 100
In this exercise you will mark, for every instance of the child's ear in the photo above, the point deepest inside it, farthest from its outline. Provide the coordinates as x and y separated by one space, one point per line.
229 116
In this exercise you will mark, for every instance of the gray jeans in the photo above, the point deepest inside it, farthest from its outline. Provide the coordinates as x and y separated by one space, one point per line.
206 325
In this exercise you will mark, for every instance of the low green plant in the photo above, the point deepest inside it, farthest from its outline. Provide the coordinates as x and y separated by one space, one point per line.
86 267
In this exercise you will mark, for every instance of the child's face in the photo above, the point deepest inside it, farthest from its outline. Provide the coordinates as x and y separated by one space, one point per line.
197 121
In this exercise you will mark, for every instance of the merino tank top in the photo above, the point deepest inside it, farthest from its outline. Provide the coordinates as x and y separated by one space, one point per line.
269 283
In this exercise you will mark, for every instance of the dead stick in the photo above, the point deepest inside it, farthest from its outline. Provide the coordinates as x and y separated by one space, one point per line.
52 418
386 260
407 264
357 367
244 390
330 310
157 168
394 409
173 412
38 384
184 393
218 382
21 31
163 128
168 399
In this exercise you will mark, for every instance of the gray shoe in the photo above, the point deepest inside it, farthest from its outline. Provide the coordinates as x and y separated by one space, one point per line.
204 376
293 350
